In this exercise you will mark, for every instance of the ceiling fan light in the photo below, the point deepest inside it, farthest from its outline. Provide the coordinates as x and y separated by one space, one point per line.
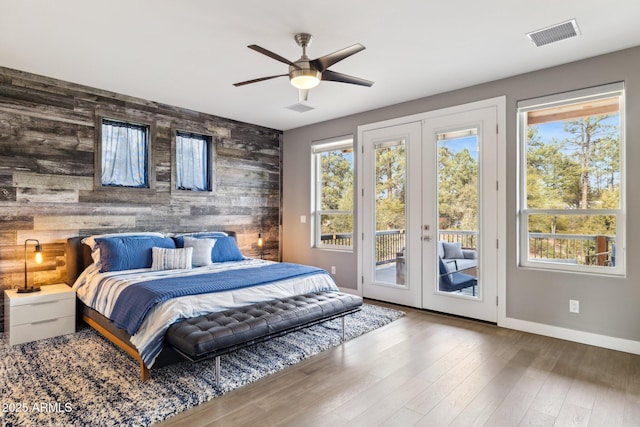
305 79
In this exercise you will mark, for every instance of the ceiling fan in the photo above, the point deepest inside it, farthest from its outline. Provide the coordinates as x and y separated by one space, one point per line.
305 73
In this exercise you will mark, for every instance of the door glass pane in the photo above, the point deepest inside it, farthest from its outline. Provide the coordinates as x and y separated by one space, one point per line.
390 215
458 207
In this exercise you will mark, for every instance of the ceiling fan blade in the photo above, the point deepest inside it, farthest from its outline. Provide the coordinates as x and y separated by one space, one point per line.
303 95
271 55
259 80
326 61
333 76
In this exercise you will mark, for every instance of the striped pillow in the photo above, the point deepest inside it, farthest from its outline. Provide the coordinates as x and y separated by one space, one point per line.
171 259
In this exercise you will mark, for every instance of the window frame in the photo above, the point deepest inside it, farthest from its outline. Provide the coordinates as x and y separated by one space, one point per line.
524 212
317 148
151 170
210 138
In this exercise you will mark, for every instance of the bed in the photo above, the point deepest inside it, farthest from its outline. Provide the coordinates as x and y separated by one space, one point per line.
134 287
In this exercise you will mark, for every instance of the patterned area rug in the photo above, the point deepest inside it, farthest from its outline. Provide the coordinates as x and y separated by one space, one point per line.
83 379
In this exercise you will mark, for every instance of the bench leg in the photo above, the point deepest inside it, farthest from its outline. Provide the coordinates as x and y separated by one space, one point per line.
218 370
343 327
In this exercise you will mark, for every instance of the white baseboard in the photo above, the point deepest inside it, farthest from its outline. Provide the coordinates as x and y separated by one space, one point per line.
589 338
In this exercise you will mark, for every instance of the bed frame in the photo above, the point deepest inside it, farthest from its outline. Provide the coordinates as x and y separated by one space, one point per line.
78 258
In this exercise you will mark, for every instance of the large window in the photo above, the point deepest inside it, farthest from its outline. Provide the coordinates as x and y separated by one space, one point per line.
572 181
332 193
193 161
124 151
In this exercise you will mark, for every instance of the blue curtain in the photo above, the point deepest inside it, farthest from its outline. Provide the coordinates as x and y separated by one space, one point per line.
192 162
124 154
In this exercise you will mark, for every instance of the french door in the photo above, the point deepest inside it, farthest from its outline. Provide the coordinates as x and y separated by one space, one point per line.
391 223
430 211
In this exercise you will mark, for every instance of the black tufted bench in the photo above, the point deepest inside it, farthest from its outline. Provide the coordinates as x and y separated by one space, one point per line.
215 334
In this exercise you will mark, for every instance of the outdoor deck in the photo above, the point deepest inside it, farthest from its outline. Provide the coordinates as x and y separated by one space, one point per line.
386 273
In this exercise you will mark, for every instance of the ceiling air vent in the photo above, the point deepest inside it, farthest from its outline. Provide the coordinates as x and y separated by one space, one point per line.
555 33
300 108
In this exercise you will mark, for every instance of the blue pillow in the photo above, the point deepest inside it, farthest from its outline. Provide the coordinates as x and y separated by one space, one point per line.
130 252
226 249
179 239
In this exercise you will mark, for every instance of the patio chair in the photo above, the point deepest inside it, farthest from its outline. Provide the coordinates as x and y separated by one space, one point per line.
455 281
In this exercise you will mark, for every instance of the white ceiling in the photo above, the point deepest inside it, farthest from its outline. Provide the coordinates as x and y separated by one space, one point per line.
188 53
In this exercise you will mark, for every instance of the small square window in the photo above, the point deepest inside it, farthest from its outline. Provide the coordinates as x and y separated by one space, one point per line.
124 151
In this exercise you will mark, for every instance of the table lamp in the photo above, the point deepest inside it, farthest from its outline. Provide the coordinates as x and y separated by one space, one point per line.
260 245
38 259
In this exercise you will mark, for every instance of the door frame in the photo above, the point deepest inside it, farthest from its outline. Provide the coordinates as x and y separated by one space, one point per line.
500 104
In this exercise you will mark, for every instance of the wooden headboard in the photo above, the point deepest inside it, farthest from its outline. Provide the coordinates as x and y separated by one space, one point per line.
79 256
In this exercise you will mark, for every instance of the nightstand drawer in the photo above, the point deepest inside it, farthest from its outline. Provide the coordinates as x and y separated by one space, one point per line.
43 329
42 310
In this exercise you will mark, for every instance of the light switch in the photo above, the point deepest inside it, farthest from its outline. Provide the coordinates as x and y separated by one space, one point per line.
303 219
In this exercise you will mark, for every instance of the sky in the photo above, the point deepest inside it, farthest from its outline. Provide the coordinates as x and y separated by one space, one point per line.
456 145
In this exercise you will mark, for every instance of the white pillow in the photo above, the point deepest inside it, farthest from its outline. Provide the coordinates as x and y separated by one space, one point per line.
171 259
201 250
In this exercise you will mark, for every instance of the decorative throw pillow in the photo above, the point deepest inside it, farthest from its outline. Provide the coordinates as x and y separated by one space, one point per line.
453 250
179 237
202 249
225 250
171 259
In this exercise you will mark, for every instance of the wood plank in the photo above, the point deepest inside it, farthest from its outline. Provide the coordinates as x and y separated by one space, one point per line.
76 222
43 195
47 181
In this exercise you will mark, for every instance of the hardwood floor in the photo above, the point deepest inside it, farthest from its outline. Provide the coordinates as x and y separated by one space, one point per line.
431 370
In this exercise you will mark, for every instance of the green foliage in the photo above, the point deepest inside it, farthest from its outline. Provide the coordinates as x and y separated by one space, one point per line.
579 171
337 178
457 189
390 188
337 191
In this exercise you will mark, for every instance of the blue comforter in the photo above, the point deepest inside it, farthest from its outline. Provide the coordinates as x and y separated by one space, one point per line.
134 302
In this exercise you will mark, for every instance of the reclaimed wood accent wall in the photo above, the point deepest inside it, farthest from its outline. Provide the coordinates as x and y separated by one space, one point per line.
47 190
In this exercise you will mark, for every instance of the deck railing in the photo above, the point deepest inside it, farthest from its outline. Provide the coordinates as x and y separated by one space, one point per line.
584 249
388 243
467 239
338 239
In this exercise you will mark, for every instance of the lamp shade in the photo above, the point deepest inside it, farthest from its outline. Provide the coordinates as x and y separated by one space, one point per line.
305 79
38 257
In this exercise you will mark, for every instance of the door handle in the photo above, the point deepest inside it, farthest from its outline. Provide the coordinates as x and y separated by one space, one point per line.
426 238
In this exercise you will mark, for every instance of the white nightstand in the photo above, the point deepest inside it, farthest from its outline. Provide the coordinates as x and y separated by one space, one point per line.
34 316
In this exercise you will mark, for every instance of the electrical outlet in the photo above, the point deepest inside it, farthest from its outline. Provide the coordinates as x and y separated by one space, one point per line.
333 269
574 306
